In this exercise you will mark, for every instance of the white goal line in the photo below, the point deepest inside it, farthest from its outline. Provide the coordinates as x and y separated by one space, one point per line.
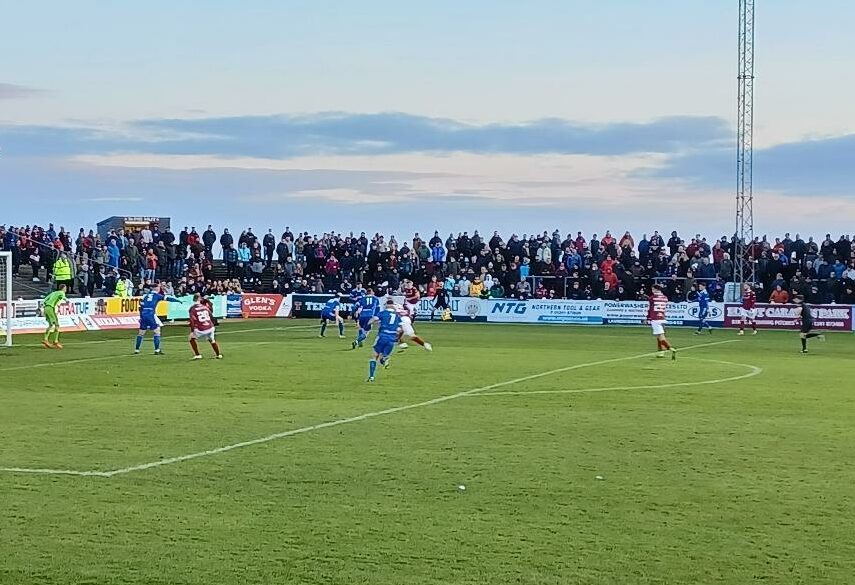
338 422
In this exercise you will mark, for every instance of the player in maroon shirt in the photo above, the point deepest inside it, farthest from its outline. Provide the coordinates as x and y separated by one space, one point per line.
657 304
749 309
411 298
202 326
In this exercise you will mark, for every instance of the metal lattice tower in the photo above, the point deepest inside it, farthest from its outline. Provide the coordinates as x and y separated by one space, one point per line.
744 267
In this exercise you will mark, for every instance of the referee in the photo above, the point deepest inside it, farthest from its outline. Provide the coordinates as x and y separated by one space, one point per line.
806 314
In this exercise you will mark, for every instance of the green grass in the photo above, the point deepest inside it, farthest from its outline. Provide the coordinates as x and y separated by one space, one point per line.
739 482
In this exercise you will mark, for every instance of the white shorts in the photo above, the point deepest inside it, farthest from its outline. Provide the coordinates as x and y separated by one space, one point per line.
750 314
658 327
206 334
411 309
407 326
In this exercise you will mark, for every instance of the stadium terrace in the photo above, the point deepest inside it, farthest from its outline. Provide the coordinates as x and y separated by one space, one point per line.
556 265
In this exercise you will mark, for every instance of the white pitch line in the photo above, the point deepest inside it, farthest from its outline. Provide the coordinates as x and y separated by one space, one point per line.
352 419
754 370
122 339
55 472
125 355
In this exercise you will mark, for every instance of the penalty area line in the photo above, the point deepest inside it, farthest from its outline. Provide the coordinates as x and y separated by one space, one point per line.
344 421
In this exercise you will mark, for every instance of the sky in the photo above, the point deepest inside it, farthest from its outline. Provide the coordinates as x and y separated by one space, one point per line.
400 117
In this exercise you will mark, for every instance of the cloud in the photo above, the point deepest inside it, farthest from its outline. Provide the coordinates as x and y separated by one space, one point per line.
282 136
10 91
811 167
113 199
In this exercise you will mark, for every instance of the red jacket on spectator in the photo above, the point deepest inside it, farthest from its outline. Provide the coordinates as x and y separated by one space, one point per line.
332 266
607 265
627 240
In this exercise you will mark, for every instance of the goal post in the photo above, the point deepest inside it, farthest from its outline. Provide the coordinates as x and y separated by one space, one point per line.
7 312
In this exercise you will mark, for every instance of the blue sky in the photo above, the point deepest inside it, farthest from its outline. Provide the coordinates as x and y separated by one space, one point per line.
390 116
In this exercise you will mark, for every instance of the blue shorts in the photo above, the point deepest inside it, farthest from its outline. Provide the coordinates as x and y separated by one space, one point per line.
703 314
365 323
384 347
327 316
149 323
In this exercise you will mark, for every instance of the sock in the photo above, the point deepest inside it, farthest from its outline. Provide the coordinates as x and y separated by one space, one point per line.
665 344
56 336
360 336
195 346
372 368
139 342
754 326
804 343
216 347
157 343
341 328
418 340
323 327
47 334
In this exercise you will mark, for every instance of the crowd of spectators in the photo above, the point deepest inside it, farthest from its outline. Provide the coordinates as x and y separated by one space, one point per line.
529 266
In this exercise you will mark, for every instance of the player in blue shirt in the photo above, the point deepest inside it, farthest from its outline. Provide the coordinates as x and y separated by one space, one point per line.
357 293
329 313
703 308
387 336
148 318
367 308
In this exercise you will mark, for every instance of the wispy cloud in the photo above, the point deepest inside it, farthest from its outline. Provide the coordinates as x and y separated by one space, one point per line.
10 91
824 166
279 137
113 199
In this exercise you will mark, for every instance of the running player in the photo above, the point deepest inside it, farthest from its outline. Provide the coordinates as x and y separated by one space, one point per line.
149 320
805 313
51 302
356 295
703 308
408 330
329 313
657 305
411 298
749 309
367 308
202 326
388 329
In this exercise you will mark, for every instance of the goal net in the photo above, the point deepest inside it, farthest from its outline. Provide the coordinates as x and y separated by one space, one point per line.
6 310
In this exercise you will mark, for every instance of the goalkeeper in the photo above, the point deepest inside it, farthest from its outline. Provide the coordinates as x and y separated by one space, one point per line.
50 304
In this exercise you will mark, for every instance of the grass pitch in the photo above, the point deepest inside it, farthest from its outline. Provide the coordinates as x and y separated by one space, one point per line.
730 465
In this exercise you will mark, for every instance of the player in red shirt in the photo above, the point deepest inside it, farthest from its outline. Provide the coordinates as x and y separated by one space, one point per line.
408 330
749 309
411 298
656 307
202 326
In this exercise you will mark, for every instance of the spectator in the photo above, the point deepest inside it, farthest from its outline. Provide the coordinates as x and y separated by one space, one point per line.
779 296
209 238
477 288
269 245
